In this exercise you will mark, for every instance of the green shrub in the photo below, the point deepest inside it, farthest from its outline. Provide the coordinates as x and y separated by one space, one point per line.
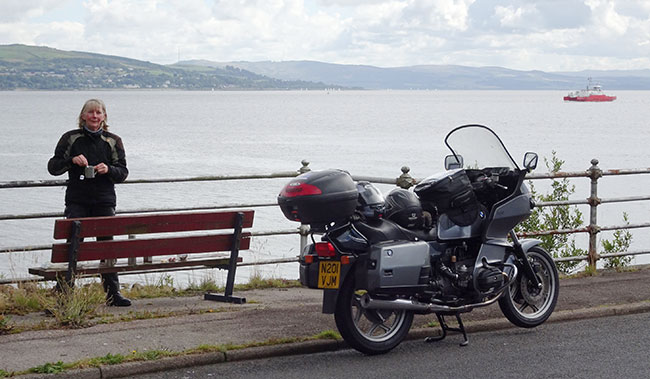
620 243
568 217
555 218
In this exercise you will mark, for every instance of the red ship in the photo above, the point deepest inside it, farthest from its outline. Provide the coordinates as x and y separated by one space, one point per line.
591 93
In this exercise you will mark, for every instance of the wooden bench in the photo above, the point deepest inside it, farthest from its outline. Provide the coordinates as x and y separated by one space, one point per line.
104 253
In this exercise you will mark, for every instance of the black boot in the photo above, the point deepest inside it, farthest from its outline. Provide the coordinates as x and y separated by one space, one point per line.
112 288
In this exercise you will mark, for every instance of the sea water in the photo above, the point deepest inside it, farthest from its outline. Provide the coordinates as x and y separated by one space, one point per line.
171 134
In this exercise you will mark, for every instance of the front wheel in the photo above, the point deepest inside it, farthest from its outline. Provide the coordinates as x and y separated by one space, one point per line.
524 304
370 331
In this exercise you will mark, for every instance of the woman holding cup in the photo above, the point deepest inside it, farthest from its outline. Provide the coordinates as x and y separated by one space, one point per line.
95 160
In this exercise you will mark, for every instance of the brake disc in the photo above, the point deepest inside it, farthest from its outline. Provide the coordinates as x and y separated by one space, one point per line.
531 294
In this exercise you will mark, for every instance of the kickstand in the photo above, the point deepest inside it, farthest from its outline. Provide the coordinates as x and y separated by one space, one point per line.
445 328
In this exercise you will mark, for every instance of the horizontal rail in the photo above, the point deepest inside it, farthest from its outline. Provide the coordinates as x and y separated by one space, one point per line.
587 173
610 255
58 183
585 229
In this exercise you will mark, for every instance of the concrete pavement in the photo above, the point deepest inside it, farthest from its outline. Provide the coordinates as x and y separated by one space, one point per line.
276 315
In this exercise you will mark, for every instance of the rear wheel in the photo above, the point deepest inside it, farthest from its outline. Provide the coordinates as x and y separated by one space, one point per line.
370 331
526 305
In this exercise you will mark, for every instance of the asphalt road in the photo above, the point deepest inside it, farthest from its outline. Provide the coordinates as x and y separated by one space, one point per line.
609 347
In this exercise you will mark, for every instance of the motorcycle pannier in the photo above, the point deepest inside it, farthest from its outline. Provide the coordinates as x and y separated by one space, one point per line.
399 265
319 197
451 193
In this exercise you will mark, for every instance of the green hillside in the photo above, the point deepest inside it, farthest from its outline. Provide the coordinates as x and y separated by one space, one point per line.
44 68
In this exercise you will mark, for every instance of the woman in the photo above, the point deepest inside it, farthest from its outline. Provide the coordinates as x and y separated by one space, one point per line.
95 160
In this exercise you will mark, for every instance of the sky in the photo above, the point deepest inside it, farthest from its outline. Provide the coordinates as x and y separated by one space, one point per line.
546 35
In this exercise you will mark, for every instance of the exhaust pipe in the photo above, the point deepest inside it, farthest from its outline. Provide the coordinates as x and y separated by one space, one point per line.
418 307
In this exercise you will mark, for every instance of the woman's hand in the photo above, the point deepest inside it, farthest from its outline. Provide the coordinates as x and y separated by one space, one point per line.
101 168
80 160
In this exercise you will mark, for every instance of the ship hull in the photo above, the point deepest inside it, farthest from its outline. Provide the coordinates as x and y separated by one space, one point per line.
590 98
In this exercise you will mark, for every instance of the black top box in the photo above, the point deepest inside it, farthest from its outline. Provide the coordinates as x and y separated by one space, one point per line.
319 197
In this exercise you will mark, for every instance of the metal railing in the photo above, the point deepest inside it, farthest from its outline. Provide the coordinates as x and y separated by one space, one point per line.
405 180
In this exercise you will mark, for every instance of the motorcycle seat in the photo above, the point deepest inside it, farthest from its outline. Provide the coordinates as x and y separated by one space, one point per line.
424 234
385 230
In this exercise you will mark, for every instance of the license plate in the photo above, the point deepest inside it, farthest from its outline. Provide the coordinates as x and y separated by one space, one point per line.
329 273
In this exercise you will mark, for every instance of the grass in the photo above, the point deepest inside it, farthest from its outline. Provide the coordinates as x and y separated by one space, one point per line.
32 297
164 287
152 355
23 299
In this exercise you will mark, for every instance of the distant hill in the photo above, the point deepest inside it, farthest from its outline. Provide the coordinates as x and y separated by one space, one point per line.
442 77
44 68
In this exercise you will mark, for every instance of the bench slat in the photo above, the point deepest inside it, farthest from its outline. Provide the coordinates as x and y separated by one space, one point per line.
51 272
96 250
158 223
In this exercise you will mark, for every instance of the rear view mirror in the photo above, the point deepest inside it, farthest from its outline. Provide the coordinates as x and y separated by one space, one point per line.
530 161
452 162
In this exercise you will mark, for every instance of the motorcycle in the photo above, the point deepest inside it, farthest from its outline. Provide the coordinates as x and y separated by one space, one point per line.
446 247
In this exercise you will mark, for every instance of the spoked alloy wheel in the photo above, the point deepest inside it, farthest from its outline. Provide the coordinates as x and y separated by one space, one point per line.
524 304
370 331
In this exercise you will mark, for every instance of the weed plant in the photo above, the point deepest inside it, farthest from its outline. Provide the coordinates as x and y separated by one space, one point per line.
74 306
5 324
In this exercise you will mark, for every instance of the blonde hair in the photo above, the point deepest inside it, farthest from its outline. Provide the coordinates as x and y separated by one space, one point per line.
91 104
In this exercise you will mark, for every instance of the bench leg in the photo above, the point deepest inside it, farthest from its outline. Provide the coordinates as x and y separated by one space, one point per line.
72 254
232 267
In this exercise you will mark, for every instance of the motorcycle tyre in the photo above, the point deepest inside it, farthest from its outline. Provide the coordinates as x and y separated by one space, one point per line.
345 322
511 310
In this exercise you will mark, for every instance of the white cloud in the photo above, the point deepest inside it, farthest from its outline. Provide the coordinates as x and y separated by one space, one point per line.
521 17
606 19
11 10
547 35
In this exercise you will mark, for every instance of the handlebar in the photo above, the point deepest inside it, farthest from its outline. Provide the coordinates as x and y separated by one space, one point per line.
489 182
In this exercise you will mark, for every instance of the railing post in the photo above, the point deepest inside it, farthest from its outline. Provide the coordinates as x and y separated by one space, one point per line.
304 236
305 166
594 173
405 180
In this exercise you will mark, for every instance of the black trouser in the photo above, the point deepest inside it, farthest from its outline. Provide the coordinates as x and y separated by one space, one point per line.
110 281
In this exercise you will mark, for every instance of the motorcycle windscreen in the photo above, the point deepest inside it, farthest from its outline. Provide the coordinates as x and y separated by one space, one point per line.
479 147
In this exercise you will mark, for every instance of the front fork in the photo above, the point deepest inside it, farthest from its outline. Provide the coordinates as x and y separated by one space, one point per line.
528 268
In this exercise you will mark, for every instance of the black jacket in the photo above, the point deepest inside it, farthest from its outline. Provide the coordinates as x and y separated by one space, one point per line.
104 147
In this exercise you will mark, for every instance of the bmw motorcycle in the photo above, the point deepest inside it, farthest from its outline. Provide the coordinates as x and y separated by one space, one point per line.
444 248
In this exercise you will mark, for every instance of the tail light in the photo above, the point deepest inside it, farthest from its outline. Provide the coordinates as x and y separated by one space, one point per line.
300 189
325 249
